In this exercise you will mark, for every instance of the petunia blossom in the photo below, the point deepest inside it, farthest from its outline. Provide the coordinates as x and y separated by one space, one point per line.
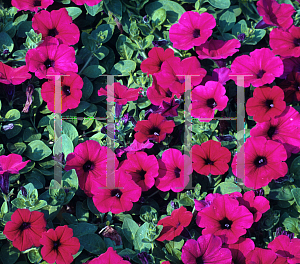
15 76
259 68
192 29
173 225
261 256
31 5
199 205
12 163
87 2
109 257
58 24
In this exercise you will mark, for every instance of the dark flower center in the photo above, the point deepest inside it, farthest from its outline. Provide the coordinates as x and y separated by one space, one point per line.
211 103
225 223
196 33
116 192
24 226
269 103
199 260
88 166
155 131
181 80
260 73
209 162
297 42
260 161
56 244
142 174
37 3
49 63
66 90
271 132
52 32
177 172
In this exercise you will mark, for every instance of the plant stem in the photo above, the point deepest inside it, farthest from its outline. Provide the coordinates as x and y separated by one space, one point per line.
86 63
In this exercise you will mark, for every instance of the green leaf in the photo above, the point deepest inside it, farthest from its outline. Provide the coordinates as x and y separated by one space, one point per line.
12 115
93 243
123 67
239 28
82 229
63 145
158 17
103 33
296 194
87 89
83 105
15 131
74 12
9 254
101 53
31 135
93 71
284 193
17 148
129 229
255 37
34 256
94 10
19 203
24 27
37 150
148 213
292 225
81 213
114 6
69 130
88 42
124 50
139 245
70 179
71 219
221 4
227 188
6 40
227 21
147 41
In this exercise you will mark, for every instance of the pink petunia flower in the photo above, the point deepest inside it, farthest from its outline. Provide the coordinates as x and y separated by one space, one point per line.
174 171
173 225
109 257
192 29
142 168
87 2
262 65
225 218
15 76
207 250
89 159
221 75
285 43
173 72
156 57
284 129
199 205
70 90
275 14
210 157
31 5
291 87
119 199
12 163
218 49
264 161
58 24
266 103
206 99
51 58
261 256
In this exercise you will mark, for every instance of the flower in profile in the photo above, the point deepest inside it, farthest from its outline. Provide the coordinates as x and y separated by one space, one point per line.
25 228
206 99
156 57
174 171
142 168
57 24
221 75
192 29
225 218
168 109
121 94
173 73
217 49
266 103
12 163
31 5
118 199
135 146
240 249
286 248
155 128
261 65
210 157
87 2
207 250
51 58
59 245
261 256
29 91
14 76
275 14
283 129
285 43
199 205
89 159
109 257
291 87
264 162
70 90
173 225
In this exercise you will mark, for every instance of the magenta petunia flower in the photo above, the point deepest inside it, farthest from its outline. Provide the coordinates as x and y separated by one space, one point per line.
263 162
121 95
285 43
266 103
119 199
89 159
70 90
87 2
192 29
199 205
207 250
286 248
291 87
173 72
218 49
12 163
275 14
261 256
174 171
51 58
240 249
156 57
58 24
284 129
15 76
173 225
109 257
142 168
262 65
206 99
31 5
225 218
210 157
221 75
155 128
